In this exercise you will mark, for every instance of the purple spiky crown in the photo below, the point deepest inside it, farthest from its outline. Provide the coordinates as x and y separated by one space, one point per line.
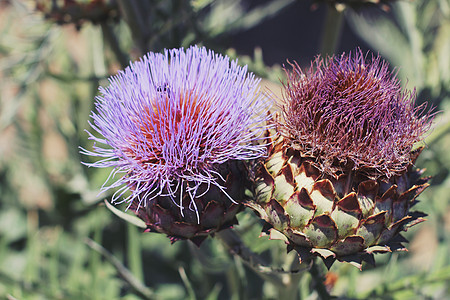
170 119
351 114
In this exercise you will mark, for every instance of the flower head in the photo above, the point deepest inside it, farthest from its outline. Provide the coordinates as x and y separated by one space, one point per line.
170 120
351 113
339 181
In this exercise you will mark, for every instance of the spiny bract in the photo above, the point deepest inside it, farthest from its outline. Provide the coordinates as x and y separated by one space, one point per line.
340 180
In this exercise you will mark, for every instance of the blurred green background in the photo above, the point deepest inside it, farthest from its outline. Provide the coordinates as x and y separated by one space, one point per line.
57 238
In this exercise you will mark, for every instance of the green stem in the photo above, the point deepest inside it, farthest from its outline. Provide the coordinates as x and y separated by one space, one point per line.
67 78
243 283
292 281
94 265
187 283
332 31
111 38
318 282
33 248
134 252
251 259
53 267
134 18
234 243
140 289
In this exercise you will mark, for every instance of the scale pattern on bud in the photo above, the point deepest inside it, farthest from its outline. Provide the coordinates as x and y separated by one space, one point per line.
340 179
178 127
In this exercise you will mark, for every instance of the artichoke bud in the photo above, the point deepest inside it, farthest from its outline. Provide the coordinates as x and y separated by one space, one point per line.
339 181
346 217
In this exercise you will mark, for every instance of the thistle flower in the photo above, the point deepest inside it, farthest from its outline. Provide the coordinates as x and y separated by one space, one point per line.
340 180
177 126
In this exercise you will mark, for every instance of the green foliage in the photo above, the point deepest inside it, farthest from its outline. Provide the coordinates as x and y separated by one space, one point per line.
59 241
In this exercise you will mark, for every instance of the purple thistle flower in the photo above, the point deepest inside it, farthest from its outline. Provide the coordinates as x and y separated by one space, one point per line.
352 114
168 122
339 181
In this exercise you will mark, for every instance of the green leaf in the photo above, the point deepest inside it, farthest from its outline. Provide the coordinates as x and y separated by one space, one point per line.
126 217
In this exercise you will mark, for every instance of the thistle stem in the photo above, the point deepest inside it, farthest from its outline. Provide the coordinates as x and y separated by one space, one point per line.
134 252
134 16
140 289
111 38
285 281
332 30
251 259
292 281
318 282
